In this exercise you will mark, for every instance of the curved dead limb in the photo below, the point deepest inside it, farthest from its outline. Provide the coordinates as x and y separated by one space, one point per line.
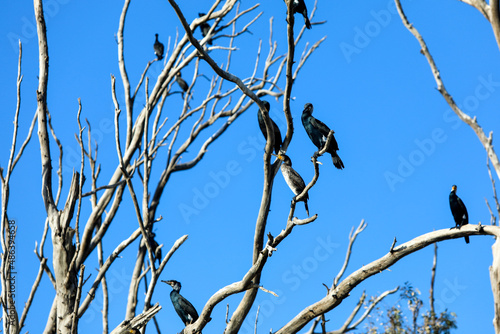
481 6
125 80
495 19
336 295
487 142
352 238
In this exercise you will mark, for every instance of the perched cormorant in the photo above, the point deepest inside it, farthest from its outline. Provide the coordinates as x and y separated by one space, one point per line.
183 307
318 133
262 126
205 28
458 210
184 86
158 47
155 247
293 179
299 6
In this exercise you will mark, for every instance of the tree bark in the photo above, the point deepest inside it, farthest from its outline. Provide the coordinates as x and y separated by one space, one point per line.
495 284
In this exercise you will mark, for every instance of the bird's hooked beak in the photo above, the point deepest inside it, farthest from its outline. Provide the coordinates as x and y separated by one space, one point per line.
168 282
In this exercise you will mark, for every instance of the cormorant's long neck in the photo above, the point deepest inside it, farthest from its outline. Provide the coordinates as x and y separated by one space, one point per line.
174 294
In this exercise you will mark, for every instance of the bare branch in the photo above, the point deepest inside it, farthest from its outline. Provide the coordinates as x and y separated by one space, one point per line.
352 238
74 325
335 296
431 290
104 268
481 6
487 142
123 71
35 286
494 193
347 327
137 322
495 19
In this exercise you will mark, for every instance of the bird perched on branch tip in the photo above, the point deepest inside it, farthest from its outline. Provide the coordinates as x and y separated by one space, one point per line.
262 125
318 133
299 6
458 210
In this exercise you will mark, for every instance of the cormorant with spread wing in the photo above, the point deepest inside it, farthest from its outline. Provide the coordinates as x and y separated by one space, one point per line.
458 210
318 133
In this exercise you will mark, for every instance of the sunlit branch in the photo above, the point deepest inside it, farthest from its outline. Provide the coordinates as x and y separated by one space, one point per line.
336 295
487 142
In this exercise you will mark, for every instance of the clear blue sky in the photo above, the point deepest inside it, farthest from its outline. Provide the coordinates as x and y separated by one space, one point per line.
367 81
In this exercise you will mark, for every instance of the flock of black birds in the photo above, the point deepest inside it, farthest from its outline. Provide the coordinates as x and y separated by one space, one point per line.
318 133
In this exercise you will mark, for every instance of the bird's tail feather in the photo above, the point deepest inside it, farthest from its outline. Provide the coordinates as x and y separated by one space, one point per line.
307 208
308 23
337 162
466 239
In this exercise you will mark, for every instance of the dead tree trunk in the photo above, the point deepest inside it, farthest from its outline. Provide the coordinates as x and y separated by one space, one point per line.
495 284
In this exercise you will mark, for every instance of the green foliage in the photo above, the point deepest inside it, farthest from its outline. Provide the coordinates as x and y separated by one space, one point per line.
395 320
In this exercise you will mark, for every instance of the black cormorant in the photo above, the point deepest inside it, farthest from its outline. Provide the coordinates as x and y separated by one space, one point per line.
183 307
155 248
299 6
184 86
262 126
293 179
458 210
318 133
158 47
205 28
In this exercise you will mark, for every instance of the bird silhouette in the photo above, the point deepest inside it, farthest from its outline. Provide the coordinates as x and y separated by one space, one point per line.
458 210
184 86
318 133
299 6
277 134
158 47
205 28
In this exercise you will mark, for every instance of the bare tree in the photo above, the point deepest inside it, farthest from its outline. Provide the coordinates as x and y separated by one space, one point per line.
75 236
